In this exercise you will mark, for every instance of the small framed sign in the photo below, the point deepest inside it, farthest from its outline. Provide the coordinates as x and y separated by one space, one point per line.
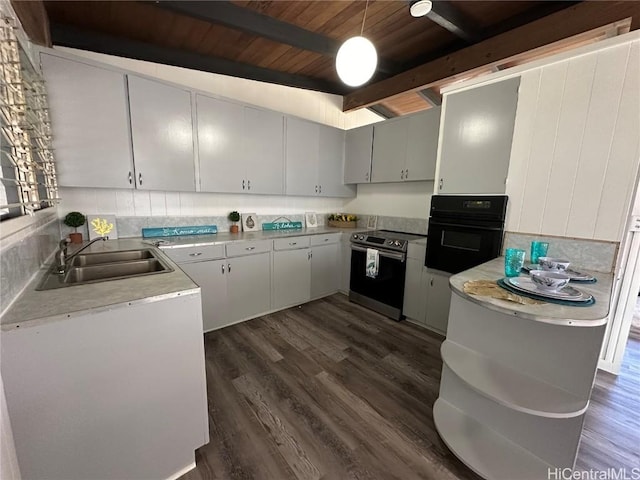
250 222
372 222
311 219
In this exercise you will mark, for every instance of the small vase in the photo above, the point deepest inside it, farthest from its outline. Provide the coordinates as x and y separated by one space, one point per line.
234 229
75 237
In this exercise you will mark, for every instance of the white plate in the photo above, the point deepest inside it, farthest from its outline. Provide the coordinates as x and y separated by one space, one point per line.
576 276
525 284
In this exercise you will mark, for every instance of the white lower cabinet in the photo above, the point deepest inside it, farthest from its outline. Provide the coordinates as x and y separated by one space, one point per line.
210 277
291 277
415 298
324 270
438 300
248 286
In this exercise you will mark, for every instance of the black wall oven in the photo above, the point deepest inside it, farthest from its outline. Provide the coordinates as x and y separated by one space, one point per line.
464 231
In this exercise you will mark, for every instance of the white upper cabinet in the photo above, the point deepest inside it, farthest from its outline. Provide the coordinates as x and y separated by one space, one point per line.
162 133
220 145
476 138
240 148
314 160
357 158
263 139
405 149
90 123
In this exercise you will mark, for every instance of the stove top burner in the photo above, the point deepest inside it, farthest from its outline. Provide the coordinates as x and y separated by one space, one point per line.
384 239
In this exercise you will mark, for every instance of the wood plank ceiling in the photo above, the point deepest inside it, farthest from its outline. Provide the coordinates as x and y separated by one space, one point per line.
287 42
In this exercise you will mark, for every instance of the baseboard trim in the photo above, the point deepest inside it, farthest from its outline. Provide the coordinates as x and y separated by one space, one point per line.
182 471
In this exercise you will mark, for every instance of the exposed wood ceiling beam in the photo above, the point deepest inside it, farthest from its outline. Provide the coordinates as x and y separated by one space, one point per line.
69 36
255 23
575 20
450 18
430 96
34 20
383 111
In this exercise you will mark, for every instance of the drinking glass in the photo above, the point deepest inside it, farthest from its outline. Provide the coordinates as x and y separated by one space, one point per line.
513 261
538 249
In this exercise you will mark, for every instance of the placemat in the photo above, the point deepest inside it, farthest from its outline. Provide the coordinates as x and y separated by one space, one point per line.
489 288
545 299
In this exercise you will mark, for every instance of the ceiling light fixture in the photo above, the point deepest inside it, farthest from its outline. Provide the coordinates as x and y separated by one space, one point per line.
357 58
419 8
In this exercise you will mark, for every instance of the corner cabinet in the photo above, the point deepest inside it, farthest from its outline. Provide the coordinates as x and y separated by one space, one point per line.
476 138
314 156
357 155
405 148
90 121
162 134
240 148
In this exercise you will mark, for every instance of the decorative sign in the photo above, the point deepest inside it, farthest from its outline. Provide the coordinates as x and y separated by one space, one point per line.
281 225
311 219
250 222
177 231
102 226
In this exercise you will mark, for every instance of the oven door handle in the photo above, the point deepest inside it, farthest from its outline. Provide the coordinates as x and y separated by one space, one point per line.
382 253
465 226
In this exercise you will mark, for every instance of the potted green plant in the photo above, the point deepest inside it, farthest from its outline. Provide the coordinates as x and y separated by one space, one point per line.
75 220
233 218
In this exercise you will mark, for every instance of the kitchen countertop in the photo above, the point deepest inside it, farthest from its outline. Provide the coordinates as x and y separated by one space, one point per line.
35 306
591 316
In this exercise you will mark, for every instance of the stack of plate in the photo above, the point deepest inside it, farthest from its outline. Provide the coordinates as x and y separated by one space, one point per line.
566 294
575 276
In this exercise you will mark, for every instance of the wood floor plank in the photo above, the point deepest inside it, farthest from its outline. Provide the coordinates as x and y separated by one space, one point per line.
332 390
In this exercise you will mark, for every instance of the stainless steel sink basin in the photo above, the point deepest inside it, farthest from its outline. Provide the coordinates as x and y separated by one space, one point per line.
85 259
104 266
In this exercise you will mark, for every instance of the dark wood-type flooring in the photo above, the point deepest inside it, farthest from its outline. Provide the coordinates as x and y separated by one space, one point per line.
331 390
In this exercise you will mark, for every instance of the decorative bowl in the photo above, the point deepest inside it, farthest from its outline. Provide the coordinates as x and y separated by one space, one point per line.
553 264
549 281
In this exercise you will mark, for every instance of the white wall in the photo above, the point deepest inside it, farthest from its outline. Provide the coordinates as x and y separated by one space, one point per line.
576 146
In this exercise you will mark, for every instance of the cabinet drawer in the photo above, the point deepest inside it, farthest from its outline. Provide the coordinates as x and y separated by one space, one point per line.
237 249
291 243
194 254
325 239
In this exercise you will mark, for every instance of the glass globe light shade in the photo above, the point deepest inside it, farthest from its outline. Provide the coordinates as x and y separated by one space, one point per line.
356 61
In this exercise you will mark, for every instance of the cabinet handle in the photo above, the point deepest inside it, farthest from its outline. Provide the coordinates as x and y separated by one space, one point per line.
309 256
401 174
316 188
140 178
130 178
320 189
248 184
406 174
326 239
197 254
293 243
222 268
441 183
250 248
243 184
366 176
431 282
229 267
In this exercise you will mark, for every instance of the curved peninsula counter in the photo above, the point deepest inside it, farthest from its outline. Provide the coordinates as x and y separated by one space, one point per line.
516 379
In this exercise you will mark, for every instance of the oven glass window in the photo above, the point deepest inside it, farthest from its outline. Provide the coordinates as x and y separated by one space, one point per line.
461 240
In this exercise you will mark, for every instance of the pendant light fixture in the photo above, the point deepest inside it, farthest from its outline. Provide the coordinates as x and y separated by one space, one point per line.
357 58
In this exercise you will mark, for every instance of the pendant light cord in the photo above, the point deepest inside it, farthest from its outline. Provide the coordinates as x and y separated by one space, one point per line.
364 17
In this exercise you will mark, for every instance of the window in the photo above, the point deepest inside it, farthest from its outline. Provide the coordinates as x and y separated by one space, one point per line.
27 170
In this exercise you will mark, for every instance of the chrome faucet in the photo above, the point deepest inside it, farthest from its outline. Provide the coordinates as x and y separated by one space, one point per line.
62 259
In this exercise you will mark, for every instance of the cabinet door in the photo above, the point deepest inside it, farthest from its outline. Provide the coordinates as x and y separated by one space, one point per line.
212 280
357 157
221 136
324 270
263 138
90 122
249 286
345 265
476 138
422 145
162 133
389 151
331 164
302 145
414 294
291 277
438 301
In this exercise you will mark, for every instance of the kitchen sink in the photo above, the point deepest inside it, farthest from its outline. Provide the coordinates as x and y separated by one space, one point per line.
86 259
104 266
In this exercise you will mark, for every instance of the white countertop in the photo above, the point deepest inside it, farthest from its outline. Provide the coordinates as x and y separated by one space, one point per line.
590 316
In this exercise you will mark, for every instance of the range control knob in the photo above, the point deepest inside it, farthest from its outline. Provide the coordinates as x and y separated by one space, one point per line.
389 242
397 243
355 236
360 237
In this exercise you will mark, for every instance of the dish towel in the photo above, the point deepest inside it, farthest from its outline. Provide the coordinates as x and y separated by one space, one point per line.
372 262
